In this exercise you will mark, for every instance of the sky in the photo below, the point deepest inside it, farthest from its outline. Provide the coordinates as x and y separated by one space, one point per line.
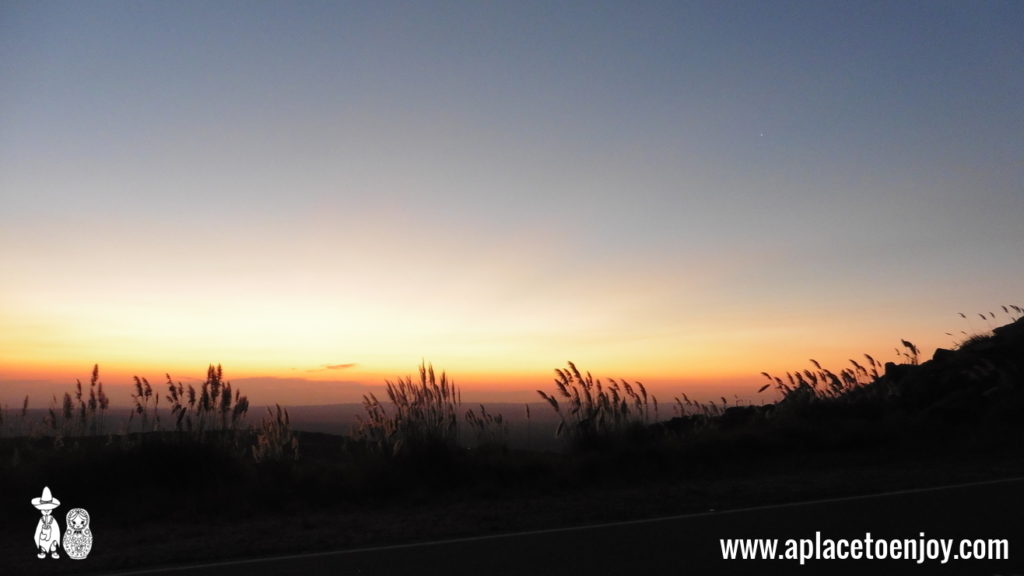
321 195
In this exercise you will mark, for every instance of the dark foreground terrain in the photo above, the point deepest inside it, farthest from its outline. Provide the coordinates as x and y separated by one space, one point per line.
161 499
691 543
132 533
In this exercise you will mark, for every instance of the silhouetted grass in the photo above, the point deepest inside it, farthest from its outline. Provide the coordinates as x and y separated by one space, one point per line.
275 440
1011 312
146 407
82 416
489 429
420 415
594 412
212 407
16 423
423 417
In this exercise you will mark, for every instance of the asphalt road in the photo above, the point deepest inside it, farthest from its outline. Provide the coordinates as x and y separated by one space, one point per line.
690 544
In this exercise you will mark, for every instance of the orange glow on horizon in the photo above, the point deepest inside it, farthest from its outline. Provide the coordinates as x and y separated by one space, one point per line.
499 324
730 368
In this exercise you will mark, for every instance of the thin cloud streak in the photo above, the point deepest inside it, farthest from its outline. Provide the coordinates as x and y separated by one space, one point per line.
326 367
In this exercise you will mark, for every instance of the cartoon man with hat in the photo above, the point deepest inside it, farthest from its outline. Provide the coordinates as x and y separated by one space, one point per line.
47 531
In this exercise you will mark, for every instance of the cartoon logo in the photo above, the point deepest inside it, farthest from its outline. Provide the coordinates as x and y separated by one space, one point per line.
77 540
47 530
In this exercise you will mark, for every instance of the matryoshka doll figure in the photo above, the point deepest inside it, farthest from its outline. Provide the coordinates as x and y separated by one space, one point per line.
78 537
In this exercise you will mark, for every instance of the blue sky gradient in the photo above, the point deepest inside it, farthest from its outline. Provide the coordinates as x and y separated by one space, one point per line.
656 189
